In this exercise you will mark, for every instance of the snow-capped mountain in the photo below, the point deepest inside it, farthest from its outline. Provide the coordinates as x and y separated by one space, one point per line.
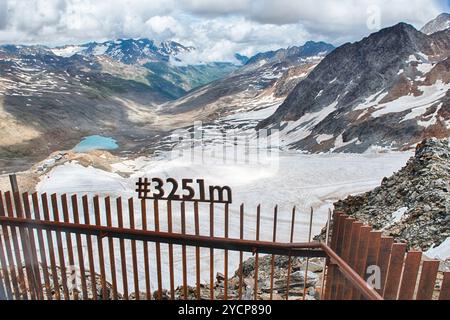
54 100
128 51
292 54
391 89
164 60
263 81
441 23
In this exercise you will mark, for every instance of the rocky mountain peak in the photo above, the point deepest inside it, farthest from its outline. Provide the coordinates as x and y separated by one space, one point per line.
413 204
309 49
441 22
363 94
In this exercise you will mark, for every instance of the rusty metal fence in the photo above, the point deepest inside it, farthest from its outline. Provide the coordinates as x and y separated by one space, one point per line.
43 239
403 275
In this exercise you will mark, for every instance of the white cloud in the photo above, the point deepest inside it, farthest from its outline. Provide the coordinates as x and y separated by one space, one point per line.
165 26
216 28
3 14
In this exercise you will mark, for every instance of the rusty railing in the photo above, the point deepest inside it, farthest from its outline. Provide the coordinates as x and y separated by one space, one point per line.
44 243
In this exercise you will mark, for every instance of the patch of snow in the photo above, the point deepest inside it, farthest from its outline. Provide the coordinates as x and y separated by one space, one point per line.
100 50
324 137
302 180
441 252
319 94
339 142
430 94
302 128
68 51
432 118
371 101
424 68
412 58
398 215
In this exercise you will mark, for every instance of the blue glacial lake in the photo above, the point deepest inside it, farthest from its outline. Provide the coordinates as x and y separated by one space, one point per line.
96 143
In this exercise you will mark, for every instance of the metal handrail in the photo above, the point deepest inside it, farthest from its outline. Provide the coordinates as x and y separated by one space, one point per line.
312 249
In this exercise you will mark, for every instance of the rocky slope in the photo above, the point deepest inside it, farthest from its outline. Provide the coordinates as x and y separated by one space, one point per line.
51 98
266 75
390 89
163 61
413 204
441 23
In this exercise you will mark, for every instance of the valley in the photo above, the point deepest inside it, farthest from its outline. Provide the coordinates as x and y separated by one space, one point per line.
361 127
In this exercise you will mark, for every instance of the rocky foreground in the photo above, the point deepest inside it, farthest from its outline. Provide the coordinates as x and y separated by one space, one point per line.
296 284
413 205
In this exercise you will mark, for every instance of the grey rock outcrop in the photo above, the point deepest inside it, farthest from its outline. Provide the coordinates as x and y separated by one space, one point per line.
413 205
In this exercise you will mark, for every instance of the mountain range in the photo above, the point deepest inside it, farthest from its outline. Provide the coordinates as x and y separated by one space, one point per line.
441 23
389 90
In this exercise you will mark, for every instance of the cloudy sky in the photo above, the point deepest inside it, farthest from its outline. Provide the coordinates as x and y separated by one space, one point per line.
217 28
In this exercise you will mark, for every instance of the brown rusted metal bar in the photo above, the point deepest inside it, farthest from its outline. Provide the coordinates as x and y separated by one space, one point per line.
133 251
27 252
445 287
211 252
258 231
59 243
394 271
383 259
15 240
101 256
183 251
13 183
313 249
352 256
29 248
274 239
90 250
112 259
9 254
51 249
70 254
409 278
4 264
373 251
40 237
123 259
32 250
361 260
24 240
148 291
307 259
351 275
427 280
158 249
241 255
344 254
331 269
337 276
171 270
76 219
65 208
197 252
2 289
225 294
296 249
238 245
325 271
291 240
8 295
